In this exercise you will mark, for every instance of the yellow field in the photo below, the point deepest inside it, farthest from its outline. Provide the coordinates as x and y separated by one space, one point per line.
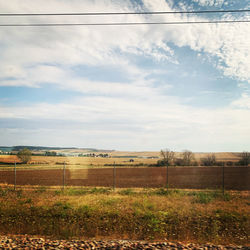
96 161
227 156
101 161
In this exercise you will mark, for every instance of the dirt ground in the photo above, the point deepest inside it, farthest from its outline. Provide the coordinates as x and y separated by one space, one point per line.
235 178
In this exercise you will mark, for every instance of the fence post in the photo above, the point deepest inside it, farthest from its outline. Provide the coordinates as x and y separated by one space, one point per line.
63 175
167 177
223 179
114 177
15 177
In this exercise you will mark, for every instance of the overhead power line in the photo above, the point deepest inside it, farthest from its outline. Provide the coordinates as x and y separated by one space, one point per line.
125 13
123 24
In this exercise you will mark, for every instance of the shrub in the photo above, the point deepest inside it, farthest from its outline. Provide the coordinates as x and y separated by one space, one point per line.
161 163
128 191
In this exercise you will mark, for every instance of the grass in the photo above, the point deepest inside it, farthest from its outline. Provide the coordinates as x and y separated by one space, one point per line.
178 215
57 161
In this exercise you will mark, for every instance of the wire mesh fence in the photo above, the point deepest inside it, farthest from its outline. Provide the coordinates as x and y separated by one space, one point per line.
216 177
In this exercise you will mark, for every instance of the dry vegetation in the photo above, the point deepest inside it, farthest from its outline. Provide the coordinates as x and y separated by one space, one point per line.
176 215
123 158
192 216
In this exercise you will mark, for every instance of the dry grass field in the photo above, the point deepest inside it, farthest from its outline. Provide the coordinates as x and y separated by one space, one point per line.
57 160
220 156
117 157
144 214
140 207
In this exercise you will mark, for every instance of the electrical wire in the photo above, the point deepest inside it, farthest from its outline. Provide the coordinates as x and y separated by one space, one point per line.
126 13
123 24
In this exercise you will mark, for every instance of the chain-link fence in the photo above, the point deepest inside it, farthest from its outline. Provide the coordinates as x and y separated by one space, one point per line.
216 177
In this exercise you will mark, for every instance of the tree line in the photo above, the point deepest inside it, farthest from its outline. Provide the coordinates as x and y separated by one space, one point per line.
187 158
169 158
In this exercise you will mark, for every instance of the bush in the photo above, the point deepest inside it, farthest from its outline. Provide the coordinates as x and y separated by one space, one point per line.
230 163
161 163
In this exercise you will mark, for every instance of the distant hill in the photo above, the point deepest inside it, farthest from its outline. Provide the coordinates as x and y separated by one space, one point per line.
6 149
39 148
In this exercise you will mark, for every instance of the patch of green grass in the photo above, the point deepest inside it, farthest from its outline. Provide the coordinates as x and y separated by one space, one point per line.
110 201
203 198
161 191
137 204
144 205
170 192
40 189
19 193
62 205
85 209
127 191
100 191
207 197
58 192
7 191
72 191
25 201
3 192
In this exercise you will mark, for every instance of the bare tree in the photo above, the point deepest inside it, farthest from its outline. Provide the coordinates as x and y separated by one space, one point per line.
209 160
187 157
245 158
168 156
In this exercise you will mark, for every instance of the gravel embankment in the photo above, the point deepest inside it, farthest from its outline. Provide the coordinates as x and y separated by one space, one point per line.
24 242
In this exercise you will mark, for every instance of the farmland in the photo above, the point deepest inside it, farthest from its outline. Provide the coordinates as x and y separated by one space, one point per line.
99 171
99 200
117 157
235 178
83 161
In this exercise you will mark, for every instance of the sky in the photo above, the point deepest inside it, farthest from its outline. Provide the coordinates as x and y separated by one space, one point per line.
133 88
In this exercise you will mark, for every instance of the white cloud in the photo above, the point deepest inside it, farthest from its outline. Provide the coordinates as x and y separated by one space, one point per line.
216 3
243 102
24 47
132 113
120 123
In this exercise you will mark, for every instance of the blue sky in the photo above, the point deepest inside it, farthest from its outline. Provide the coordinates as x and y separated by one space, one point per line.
126 88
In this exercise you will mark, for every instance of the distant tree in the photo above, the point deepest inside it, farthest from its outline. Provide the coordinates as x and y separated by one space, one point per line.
187 157
209 160
178 161
244 158
24 155
50 153
168 157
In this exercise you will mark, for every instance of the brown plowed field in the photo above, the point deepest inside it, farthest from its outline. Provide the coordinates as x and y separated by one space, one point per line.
235 178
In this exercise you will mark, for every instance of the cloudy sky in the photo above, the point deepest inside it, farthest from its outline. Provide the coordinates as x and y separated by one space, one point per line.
127 88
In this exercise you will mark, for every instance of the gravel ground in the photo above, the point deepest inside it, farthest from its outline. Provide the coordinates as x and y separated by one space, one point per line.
24 242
